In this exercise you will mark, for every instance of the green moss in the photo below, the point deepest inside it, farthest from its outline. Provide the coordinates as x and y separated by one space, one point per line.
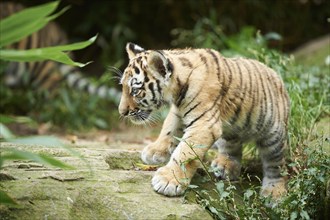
123 160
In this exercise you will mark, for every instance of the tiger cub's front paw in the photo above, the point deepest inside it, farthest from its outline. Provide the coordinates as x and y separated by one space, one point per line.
226 168
170 181
155 154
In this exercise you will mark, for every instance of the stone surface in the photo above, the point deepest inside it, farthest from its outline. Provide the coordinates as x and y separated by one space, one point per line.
107 185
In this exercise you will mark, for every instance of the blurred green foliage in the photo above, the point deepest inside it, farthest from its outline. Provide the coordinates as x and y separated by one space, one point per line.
149 23
13 29
72 110
158 25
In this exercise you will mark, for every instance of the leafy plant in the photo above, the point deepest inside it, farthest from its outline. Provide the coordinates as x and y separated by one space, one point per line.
12 30
21 24
64 107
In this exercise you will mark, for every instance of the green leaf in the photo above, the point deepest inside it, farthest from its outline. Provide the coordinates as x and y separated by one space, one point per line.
199 146
248 194
224 194
5 132
6 199
73 46
5 119
46 141
293 215
213 210
26 22
48 53
31 13
179 139
220 187
193 186
13 154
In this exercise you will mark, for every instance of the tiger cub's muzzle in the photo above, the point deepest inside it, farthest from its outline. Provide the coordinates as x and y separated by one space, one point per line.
137 116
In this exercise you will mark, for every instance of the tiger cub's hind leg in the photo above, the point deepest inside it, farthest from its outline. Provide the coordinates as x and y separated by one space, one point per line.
227 165
271 151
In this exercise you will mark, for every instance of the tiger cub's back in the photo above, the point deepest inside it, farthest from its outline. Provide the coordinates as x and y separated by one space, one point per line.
254 100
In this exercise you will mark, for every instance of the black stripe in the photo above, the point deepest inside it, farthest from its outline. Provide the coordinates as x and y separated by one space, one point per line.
193 99
225 87
216 60
275 157
159 88
278 139
252 94
279 136
183 90
193 121
230 137
192 108
179 82
237 112
204 60
146 78
170 66
145 102
263 104
185 62
151 87
273 172
213 137
241 98
216 120
137 71
182 95
214 104
270 120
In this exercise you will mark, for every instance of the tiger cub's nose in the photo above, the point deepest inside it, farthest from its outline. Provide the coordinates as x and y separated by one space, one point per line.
123 112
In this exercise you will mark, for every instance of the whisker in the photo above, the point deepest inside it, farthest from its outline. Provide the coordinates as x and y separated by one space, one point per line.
117 78
115 70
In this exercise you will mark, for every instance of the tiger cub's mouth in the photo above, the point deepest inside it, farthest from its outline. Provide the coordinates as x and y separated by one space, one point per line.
139 116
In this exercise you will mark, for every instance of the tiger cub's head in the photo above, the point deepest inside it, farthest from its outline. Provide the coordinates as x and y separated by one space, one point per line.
142 83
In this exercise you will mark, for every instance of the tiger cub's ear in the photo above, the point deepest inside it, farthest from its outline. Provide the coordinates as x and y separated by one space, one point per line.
161 66
133 50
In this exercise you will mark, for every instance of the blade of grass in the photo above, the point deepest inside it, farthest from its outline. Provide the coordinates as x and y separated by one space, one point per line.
48 53
14 154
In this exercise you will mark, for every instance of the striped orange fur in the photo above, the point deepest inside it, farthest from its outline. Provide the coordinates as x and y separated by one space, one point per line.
217 101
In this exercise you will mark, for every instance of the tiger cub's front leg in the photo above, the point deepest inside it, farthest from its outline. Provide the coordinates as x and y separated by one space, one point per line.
160 150
172 179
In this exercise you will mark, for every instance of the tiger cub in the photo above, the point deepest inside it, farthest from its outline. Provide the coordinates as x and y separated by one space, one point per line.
216 100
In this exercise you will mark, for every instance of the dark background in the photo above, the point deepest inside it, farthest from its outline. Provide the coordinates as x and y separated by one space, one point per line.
149 23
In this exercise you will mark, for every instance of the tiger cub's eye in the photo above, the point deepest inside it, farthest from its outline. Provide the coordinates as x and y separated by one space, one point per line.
135 92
